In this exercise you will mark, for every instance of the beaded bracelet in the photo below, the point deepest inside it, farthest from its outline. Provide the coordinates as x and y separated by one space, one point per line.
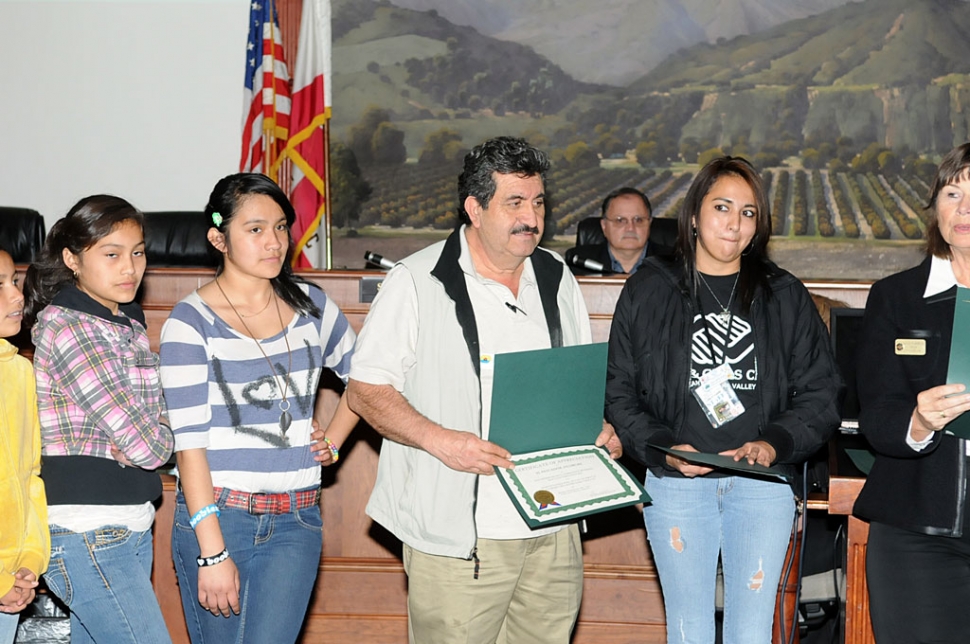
212 508
333 449
213 560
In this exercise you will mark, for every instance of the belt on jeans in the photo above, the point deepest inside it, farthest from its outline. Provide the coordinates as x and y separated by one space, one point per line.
267 502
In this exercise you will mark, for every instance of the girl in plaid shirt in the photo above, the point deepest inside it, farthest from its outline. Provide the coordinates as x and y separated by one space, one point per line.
102 421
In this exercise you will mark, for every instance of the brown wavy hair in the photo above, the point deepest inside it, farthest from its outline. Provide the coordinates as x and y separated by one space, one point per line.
954 166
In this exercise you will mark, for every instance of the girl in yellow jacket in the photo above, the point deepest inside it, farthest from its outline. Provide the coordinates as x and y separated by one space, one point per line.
24 539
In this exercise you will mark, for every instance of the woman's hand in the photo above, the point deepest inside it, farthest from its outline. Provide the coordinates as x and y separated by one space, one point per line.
321 452
758 452
219 588
339 423
937 407
688 469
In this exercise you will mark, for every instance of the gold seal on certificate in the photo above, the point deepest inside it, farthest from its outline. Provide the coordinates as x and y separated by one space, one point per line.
545 499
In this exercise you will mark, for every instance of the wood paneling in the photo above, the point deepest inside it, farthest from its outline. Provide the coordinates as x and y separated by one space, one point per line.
843 491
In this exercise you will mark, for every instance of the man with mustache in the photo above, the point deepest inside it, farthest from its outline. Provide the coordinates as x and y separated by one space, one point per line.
422 376
626 226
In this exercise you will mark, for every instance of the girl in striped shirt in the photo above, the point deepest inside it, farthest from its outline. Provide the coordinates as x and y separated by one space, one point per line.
241 362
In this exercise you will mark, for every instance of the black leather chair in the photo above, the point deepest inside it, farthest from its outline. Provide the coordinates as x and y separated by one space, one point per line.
589 231
22 233
178 238
663 235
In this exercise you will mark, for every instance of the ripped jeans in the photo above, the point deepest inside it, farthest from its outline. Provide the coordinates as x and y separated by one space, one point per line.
747 521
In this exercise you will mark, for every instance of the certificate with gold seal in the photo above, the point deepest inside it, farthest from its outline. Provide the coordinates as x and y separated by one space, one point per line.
556 485
547 410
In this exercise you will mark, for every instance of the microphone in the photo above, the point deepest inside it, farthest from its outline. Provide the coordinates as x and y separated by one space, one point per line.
379 260
588 264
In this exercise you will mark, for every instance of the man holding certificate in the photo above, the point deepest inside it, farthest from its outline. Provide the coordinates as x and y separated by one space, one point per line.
422 376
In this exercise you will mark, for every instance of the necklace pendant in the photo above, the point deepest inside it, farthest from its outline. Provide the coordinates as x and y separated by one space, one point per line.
724 315
286 419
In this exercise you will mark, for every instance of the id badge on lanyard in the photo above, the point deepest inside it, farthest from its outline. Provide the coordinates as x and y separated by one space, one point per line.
714 392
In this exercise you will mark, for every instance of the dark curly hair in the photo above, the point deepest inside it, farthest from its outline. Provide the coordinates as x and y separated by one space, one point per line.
504 155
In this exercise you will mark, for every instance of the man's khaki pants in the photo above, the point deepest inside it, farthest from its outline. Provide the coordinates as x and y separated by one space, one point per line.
527 590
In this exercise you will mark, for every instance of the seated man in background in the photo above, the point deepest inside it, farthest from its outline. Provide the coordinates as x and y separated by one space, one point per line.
626 226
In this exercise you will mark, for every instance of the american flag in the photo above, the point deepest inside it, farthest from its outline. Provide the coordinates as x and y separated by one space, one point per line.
267 91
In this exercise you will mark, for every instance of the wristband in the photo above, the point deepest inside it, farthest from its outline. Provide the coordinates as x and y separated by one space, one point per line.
212 508
333 449
213 560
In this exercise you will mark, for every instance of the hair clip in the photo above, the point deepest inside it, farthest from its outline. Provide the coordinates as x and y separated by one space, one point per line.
216 219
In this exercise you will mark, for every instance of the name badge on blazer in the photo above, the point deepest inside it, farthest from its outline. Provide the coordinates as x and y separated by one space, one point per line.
910 347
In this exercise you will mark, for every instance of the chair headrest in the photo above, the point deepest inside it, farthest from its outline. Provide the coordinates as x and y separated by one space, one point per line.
178 238
589 231
663 235
22 233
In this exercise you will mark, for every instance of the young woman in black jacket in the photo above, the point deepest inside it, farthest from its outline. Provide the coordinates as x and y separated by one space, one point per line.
918 557
720 351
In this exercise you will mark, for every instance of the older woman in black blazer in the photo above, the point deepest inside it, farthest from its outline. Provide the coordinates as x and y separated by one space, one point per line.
918 562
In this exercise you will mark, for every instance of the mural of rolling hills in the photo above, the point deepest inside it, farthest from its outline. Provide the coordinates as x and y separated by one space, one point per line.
621 39
845 107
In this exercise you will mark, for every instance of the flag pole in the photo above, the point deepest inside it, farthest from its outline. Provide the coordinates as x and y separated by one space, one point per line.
269 129
328 212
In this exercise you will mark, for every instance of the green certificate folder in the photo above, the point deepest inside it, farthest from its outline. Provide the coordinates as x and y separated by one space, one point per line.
547 409
548 398
724 462
863 459
959 368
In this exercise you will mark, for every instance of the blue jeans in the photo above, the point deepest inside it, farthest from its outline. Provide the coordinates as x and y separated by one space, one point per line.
748 522
104 578
277 556
8 627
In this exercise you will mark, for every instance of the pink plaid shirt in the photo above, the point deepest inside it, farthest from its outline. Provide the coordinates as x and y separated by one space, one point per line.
98 386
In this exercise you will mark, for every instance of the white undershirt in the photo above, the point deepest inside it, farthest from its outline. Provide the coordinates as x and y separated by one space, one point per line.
82 518
502 330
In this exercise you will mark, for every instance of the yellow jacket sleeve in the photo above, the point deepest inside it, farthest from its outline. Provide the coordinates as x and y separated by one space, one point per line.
24 534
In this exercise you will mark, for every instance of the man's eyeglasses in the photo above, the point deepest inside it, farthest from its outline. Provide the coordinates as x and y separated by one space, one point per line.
623 221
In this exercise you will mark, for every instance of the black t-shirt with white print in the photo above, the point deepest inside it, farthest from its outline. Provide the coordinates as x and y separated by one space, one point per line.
716 339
